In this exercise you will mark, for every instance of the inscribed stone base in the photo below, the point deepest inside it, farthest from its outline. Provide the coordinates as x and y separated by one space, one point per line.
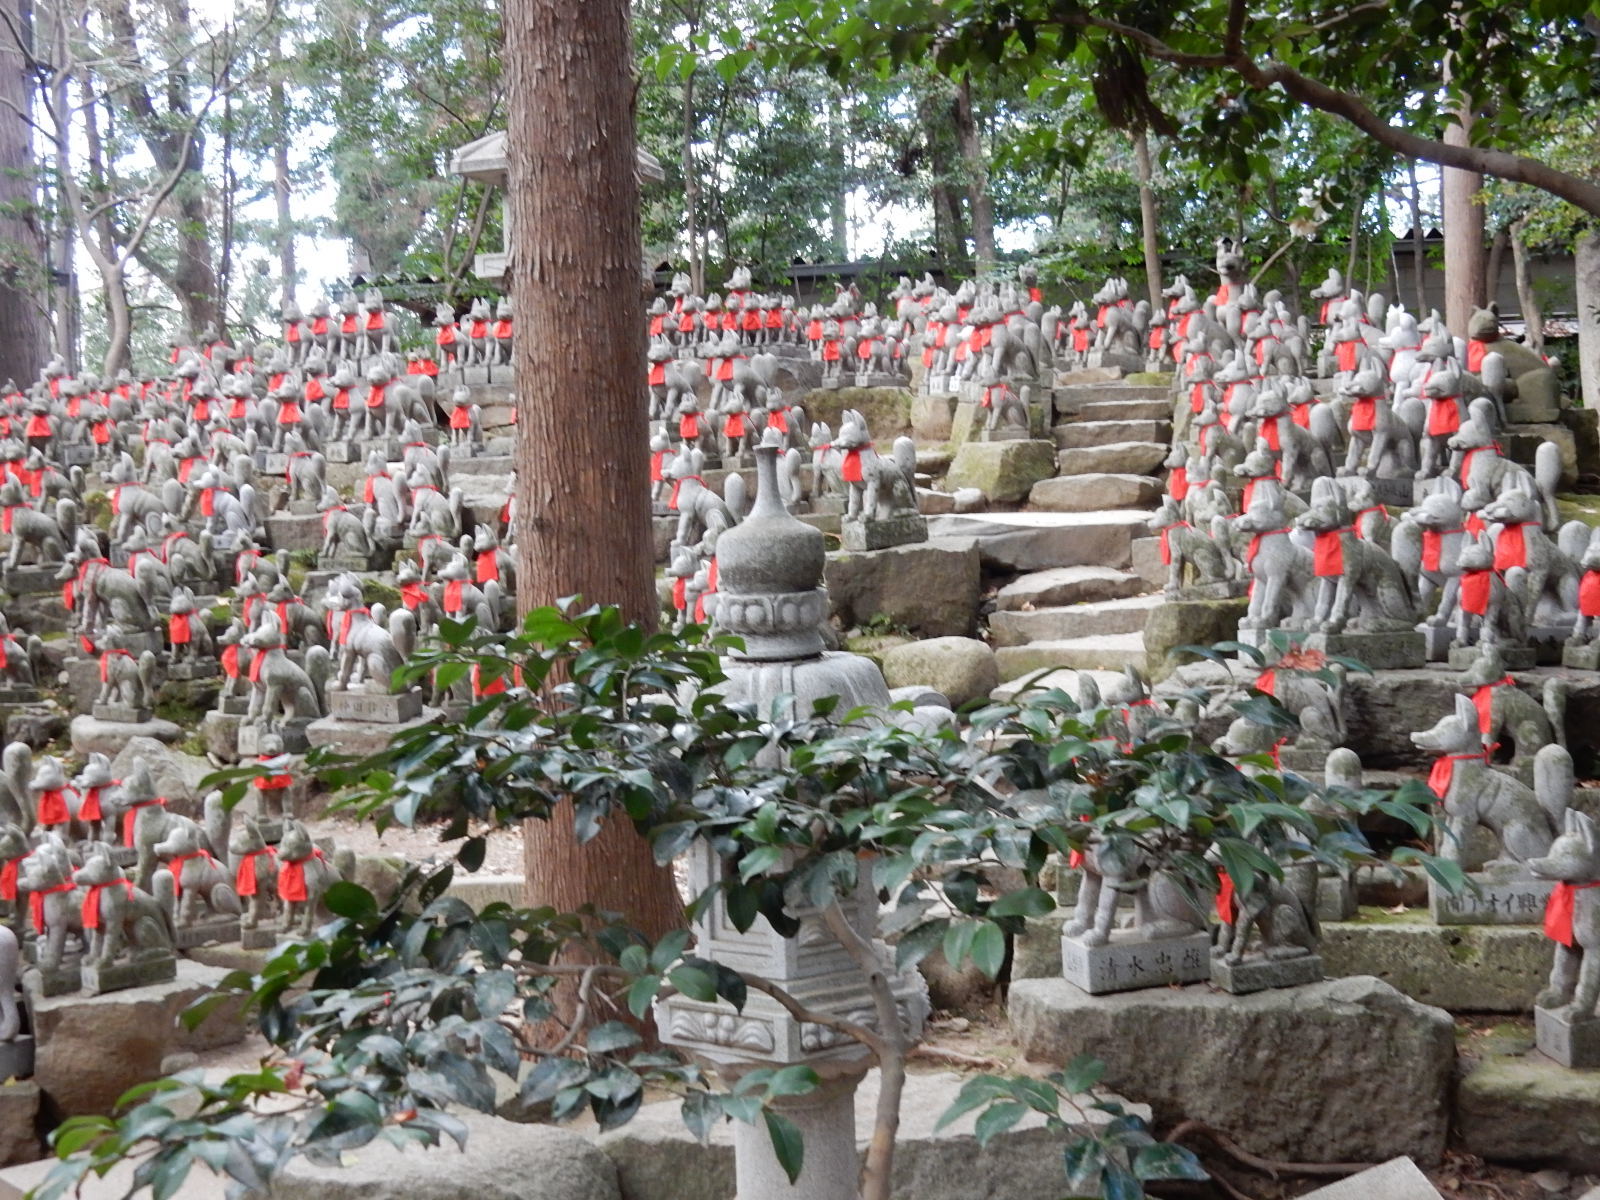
266 937
378 707
292 732
1101 360
361 737
1437 639
16 1057
186 672
901 530
288 532
1515 658
342 452
1571 1043
1380 651
1257 973
215 929
1585 657
121 714
879 379
1124 963
32 581
117 977
16 693
1500 899
274 462
58 981
378 560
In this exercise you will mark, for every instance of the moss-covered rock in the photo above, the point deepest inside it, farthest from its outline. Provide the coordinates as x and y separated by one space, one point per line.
875 645
1188 623
887 410
374 591
1005 472
97 510
1150 378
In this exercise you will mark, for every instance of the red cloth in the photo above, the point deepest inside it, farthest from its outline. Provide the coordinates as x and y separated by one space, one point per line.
1267 682
36 902
1559 910
778 419
292 877
680 594
230 661
412 595
1328 556
105 663
1510 548
375 320
461 417
1269 430
1345 354
319 326
90 809
259 661
1475 592
8 877
850 472
480 689
452 595
502 329
38 426
91 900
1444 416
1227 907
1254 547
1166 545
245 882
735 426
1589 594
178 631
53 808
177 868
375 395
1476 350
689 426
1178 484
488 564
1443 772
658 374
1364 414
1483 701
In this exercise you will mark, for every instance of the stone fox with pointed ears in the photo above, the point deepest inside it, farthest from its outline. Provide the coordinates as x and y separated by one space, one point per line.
1572 918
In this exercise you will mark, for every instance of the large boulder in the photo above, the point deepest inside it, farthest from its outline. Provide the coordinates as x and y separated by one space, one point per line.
929 588
91 1049
1347 1070
1188 623
887 410
176 775
90 735
960 668
1003 471
503 1160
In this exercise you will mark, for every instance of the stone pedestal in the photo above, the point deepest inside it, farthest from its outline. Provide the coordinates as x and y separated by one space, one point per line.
380 708
1571 1043
193 669
1336 898
116 977
1380 651
361 737
264 937
121 714
1126 962
1515 658
32 581
342 452
213 929
274 462
1437 639
379 560
289 532
901 530
1492 898
16 1057
1257 973
57 981
293 733
826 1121
1585 657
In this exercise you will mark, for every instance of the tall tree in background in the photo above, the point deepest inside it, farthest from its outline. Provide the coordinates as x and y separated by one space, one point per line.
23 327
583 523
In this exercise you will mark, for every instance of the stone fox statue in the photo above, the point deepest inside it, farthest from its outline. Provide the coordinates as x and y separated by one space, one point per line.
1112 868
1572 917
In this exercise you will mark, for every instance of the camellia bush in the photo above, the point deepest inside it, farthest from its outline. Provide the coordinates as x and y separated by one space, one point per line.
401 1011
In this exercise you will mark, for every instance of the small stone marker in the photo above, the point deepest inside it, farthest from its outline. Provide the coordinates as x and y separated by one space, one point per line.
1124 964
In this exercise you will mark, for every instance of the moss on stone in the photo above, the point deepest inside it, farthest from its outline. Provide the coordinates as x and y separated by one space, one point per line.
97 510
1150 378
887 410
374 591
1579 508
1188 623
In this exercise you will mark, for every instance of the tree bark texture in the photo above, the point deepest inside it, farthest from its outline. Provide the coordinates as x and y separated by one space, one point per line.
1147 219
1527 300
583 514
1419 242
23 332
1587 253
1464 264
975 166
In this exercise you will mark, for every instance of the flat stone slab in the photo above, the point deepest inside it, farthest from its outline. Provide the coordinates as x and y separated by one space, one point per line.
1397 1179
1513 1105
1257 974
657 1156
1032 541
1080 434
1346 1070
1572 1043
90 734
1096 618
1092 493
117 977
1066 585
1067 680
1125 963
1111 652
1463 968
1120 458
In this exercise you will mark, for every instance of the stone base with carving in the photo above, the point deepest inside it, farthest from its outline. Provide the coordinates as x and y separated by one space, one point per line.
193 669
359 737
293 733
1501 898
901 530
59 981
121 714
1257 973
1515 658
1571 1043
1126 962
17 693
213 929
118 977
1436 639
381 559
1124 361
265 937
382 708
31 581
1381 651
1582 657
342 452
273 462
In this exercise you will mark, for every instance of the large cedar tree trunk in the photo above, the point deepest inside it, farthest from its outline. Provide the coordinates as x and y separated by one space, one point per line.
23 334
1464 263
583 514
1147 220
976 165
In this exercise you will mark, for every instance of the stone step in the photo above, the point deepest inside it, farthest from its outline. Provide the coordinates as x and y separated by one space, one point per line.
1095 393
1126 410
1073 621
1032 541
1118 458
1068 681
1066 585
1094 492
1110 652
1081 434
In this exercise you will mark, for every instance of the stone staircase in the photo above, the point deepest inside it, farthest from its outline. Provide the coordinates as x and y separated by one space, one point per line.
1081 602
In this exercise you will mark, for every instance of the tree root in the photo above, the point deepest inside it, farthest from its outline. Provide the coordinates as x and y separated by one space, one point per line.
1267 1166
